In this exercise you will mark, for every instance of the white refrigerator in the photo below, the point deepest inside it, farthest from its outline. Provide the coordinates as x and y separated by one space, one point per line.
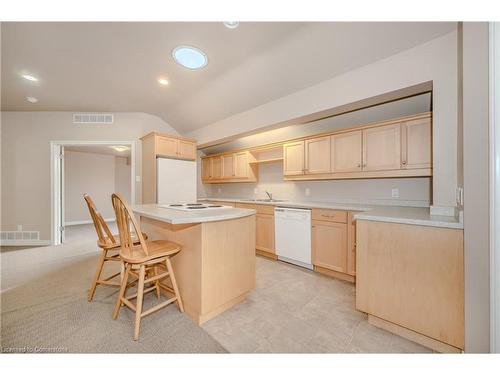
176 181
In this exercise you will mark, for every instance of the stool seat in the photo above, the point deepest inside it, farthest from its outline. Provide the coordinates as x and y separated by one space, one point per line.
156 249
107 243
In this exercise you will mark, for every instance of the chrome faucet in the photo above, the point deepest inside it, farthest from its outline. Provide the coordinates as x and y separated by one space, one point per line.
269 195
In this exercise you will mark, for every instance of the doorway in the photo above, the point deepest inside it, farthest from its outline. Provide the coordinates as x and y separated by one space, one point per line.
98 168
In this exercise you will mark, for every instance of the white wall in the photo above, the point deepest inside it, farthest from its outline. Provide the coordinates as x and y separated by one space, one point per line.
26 136
476 185
89 173
434 61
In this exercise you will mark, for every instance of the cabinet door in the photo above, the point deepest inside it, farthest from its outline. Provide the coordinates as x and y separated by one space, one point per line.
317 155
329 245
346 152
216 168
166 146
206 169
241 164
264 232
187 149
293 154
382 148
227 166
351 244
417 145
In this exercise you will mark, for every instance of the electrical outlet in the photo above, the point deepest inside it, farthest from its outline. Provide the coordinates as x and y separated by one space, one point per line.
219 190
19 227
256 191
308 192
395 193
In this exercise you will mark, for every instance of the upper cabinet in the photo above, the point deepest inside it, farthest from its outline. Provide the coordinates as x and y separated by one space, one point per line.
396 148
416 147
346 151
229 167
317 155
162 145
382 148
172 146
293 158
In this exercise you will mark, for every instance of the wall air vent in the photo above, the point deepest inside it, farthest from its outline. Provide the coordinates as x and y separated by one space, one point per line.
92 118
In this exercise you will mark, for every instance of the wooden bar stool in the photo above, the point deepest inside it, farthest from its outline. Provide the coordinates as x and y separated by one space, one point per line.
109 244
143 257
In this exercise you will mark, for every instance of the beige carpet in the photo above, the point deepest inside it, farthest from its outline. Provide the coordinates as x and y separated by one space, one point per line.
52 313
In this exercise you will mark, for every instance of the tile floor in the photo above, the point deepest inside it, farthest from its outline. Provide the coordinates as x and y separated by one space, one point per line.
293 310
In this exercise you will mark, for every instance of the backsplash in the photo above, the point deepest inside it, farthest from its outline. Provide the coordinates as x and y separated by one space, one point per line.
412 191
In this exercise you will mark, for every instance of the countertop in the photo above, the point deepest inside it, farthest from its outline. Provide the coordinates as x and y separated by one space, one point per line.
153 211
391 214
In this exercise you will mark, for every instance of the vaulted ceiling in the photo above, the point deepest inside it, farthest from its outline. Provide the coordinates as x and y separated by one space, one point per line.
115 66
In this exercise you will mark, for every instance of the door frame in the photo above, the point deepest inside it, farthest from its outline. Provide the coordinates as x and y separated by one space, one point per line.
56 174
494 115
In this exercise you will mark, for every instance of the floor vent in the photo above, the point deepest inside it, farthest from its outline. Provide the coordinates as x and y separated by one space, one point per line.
92 118
19 235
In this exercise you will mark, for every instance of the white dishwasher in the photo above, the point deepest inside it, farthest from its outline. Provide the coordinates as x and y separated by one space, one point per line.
293 235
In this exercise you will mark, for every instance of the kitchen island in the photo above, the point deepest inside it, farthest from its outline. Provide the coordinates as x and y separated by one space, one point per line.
215 268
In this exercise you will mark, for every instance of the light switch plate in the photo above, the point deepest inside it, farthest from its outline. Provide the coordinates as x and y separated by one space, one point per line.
308 192
19 227
395 193
137 178
256 191
219 190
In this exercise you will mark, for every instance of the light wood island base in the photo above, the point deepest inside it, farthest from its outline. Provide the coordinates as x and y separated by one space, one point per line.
215 269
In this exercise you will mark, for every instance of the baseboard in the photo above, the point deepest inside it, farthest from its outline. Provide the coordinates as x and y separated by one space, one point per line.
80 222
419 338
25 243
335 274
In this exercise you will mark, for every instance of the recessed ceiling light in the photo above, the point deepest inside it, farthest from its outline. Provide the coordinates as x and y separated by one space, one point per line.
163 81
29 77
190 57
231 24
119 148
31 99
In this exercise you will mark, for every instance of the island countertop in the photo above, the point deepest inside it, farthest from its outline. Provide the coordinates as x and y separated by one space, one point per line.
168 215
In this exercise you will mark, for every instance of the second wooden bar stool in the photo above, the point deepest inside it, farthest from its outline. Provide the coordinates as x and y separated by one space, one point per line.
142 257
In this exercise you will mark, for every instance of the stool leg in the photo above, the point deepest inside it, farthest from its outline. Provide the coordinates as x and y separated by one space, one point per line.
138 306
97 275
174 284
157 283
123 287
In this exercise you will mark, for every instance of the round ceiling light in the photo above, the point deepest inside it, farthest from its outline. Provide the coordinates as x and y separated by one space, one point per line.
190 57
29 77
163 81
231 24
31 99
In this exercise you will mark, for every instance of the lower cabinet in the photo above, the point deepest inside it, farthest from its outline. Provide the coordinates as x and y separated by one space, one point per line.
264 232
329 245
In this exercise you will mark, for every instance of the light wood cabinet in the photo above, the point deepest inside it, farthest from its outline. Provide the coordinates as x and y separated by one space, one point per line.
264 233
416 146
351 244
206 168
227 166
241 164
264 228
346 152
382 148
161 145
412 276
317 155
293 158
216 168
329 245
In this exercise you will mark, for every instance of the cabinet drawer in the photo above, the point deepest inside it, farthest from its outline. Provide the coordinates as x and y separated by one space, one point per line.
260 208
329 215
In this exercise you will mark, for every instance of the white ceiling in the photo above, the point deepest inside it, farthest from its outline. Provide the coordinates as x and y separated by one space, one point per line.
114 66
